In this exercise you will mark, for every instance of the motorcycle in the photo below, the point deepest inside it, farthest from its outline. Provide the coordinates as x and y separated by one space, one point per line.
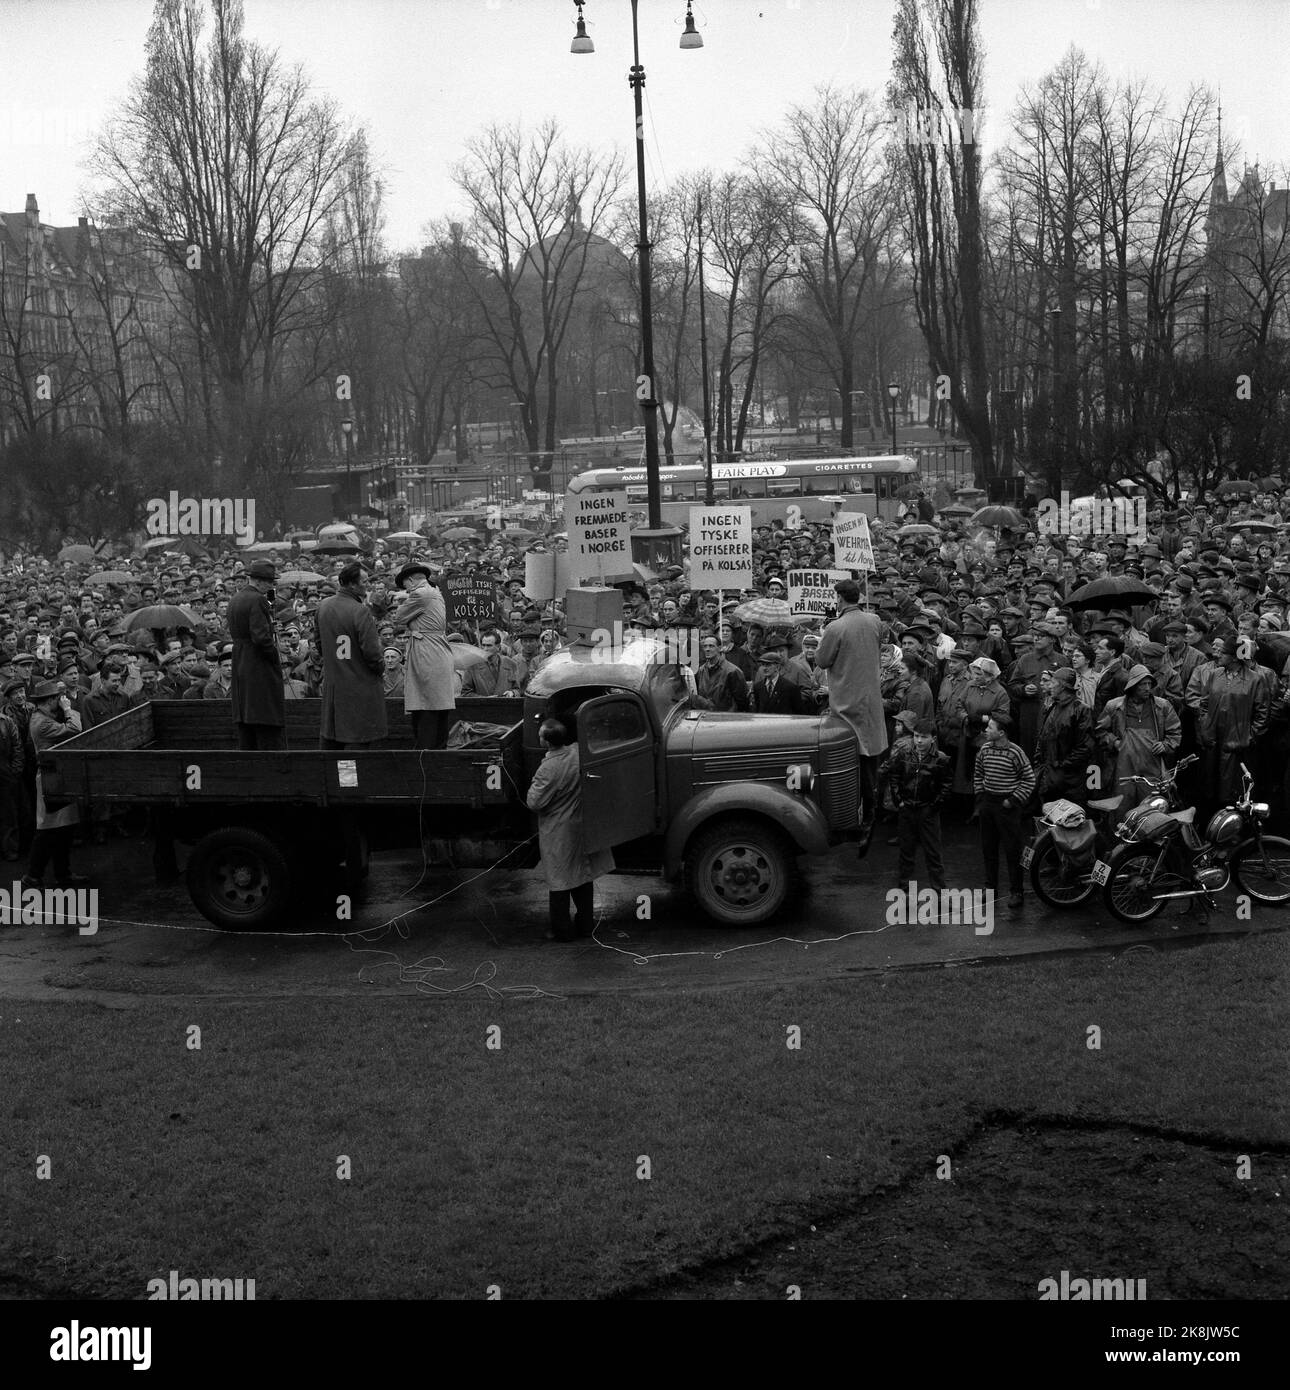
1162 858
1068 842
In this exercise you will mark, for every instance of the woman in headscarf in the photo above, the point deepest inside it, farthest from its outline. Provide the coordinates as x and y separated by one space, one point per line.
983 696
428 673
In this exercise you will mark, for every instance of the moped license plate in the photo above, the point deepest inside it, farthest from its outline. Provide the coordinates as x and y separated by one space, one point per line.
1027 855
1101 871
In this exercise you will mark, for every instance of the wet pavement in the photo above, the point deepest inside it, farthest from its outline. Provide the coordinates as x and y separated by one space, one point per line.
482 931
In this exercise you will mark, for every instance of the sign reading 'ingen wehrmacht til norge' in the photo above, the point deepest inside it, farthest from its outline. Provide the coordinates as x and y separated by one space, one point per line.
721 548
852 546
599 527
810 592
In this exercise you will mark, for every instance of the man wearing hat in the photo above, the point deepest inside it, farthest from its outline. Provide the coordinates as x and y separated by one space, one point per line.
353 698
1065 746
773 691
1142 730
13 763
1023 682
52 721
257 692
1229 698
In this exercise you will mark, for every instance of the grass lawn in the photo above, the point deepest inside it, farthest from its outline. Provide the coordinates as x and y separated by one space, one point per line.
518 1166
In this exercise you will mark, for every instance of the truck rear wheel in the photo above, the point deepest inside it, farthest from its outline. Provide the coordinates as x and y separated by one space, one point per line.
740 871
239 879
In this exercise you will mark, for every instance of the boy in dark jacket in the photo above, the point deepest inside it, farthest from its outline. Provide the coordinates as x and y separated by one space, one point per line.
919 775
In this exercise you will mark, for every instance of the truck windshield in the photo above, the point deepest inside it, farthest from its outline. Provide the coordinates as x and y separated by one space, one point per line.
664 687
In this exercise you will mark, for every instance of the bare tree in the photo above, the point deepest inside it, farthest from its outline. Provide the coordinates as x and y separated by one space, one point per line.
536 207
224 161
941 190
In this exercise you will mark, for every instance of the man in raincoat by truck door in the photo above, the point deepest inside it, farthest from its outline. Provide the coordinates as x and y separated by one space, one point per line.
570 871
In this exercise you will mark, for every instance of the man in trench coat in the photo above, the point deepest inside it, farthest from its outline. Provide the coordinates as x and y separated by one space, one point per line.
849 652
258 694
570 871
353 690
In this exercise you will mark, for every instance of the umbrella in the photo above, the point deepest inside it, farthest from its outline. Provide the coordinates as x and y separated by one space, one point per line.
408 537
158 543
337 528
264 547
300 577
518 533
301 536
1236 485
997 516
112 577
1271 482
459 533
956 509
77 554
160 615
1115 591
1274 648
765 612
917 528
464 656
1264 526
335 547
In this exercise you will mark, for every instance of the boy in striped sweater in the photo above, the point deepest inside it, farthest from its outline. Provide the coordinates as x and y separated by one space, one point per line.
1004 783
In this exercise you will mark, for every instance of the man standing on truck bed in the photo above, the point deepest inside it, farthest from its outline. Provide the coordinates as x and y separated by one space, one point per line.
849 652
353 696
258 694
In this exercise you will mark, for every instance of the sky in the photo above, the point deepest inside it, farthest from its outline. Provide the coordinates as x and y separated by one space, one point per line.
426 75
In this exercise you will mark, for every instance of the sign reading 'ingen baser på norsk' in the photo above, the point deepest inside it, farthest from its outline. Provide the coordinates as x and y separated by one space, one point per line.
721 548
810 592
599 527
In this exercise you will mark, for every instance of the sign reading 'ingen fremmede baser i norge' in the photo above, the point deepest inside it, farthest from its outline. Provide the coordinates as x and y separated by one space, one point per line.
721 548
599 527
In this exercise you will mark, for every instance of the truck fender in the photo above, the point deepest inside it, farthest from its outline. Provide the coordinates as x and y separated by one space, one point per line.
799 818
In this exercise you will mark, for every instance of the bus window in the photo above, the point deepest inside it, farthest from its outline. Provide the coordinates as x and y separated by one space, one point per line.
751 487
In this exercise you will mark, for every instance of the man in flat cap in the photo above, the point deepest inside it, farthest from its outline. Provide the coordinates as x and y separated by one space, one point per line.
258 694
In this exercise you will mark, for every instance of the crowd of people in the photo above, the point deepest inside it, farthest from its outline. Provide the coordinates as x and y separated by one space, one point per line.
968 662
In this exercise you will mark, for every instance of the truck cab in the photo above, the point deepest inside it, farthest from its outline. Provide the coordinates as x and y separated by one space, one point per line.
727 801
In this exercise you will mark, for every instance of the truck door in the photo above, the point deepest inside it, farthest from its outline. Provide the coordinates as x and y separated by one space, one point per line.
616 753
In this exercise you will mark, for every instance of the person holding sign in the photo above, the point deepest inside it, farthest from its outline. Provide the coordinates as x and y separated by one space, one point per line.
428 685
849 652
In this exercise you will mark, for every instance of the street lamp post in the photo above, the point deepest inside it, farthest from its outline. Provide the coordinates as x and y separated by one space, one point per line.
893 391
646 385
347 429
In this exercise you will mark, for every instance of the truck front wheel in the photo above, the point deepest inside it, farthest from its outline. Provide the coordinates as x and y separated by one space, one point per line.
239 879
740 871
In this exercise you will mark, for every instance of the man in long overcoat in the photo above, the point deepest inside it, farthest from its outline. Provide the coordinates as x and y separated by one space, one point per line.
569 869
258 694
849 652
353 693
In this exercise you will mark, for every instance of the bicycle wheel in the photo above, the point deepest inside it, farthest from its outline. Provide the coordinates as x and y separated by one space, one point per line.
1262 870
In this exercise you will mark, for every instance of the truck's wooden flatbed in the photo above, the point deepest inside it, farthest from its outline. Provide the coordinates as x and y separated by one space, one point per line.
184 753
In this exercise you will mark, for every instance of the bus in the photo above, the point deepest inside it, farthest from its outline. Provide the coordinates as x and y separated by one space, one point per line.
817 488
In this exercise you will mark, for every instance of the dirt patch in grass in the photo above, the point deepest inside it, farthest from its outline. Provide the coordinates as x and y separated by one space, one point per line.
1023 1203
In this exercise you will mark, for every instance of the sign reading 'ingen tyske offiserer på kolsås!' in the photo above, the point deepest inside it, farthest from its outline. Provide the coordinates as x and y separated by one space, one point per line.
721 548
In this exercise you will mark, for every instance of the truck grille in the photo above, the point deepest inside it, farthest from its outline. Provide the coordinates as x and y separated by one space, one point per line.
837 786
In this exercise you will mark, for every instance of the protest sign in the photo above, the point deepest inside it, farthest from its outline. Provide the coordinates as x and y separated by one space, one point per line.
470 599
852 546
546 575
721 548
810 592
599 535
